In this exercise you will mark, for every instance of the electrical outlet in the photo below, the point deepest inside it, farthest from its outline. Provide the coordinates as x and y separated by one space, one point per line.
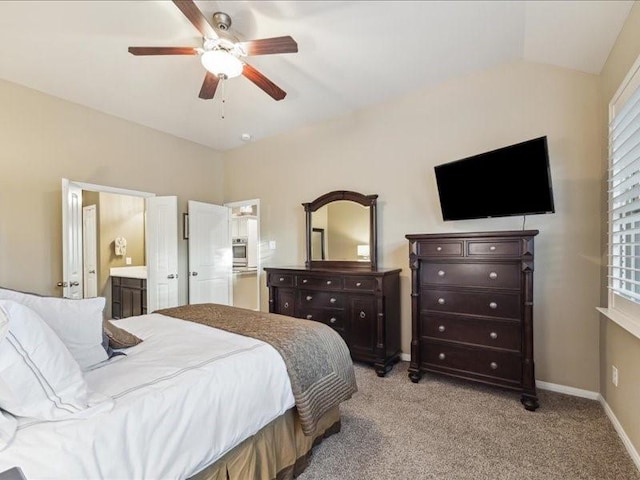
614 375
272 245
127 260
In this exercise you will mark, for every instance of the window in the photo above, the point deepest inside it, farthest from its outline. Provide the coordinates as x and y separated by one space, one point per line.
624 197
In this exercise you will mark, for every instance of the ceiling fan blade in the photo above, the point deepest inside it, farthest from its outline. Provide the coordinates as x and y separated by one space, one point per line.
209 86
163 50
195 16
267 46
263 82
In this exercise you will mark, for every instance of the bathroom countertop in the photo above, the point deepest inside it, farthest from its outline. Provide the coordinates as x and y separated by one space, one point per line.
139 271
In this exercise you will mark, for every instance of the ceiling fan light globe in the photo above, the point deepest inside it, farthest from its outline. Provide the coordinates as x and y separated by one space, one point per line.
221 63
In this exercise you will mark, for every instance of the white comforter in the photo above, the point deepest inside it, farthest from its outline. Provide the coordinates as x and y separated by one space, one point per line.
183 397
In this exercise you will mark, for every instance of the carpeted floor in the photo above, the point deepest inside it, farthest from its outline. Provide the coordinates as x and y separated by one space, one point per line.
453 430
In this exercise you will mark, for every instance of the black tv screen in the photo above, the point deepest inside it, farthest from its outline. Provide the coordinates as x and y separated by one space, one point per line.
513 180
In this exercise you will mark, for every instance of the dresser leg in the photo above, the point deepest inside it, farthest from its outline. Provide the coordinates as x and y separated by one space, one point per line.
383 368
530 402
415 375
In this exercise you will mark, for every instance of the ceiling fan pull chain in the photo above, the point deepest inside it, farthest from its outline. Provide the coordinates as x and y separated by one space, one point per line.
223 97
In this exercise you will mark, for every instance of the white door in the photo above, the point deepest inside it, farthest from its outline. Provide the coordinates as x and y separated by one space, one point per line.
71 240
90 251
162 252
210 254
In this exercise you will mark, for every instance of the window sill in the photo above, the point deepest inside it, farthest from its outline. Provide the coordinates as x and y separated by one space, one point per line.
630 324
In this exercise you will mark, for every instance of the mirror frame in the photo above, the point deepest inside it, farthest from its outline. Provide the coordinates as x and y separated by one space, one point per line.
364 200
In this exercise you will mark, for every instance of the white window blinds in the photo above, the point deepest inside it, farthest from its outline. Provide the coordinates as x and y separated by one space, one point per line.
624 194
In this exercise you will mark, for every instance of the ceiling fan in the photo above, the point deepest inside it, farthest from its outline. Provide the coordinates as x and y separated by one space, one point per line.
222 54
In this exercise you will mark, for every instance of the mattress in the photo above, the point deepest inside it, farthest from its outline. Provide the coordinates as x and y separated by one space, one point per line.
183 398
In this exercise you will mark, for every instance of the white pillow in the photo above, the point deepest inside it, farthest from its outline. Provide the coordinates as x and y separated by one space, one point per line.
8 423
38 376
78 323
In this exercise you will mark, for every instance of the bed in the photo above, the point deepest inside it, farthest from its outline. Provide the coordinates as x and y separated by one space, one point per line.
192 400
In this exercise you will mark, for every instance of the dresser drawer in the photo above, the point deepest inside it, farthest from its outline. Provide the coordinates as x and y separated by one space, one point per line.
501 305
446 248
481 361
280 280
363 284
332 317
314 298
472 274
470 330
494 248
325 282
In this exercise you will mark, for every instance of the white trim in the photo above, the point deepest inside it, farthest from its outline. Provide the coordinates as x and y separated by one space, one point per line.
573 391
629 324
633 453
405 357
624 85
106 189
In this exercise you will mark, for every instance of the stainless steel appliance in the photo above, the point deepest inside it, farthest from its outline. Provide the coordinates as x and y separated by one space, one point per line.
239 247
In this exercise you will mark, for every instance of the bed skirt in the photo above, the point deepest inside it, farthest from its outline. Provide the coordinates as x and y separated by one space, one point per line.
279 451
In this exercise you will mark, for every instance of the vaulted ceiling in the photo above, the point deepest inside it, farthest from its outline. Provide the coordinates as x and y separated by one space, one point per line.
351 54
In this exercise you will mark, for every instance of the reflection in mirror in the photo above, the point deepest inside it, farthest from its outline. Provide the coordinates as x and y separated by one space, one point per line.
317 244
345 228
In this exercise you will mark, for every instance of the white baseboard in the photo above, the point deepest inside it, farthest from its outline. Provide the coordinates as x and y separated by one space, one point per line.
576 392
405 357
633 453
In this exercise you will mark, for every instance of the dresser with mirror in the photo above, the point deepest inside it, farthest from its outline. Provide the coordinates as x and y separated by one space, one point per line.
340 283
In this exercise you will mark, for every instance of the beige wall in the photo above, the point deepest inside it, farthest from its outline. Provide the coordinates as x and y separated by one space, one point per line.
118 216
44 139
391 150
617 346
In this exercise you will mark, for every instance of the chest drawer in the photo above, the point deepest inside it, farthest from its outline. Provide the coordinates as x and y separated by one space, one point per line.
500 305
332 317
472 274
446 248
496 248
482 361
325 282
319 299
470 330
280 280
364 284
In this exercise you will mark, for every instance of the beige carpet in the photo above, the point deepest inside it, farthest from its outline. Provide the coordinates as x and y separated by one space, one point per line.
453 430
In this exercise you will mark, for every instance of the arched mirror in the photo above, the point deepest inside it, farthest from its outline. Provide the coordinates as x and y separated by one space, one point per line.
341 230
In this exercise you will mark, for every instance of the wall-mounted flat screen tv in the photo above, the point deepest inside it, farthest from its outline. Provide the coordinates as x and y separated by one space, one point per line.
512 180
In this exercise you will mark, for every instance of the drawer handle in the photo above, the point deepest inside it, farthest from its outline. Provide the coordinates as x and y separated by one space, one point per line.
441 301
438 249
328 282
492 248
493 305
441 273
442 356
309 317
309 297
286 304
362 314
305 280
358 284
332 300
493 365
441 328
282 279
493 335
493 275
333 320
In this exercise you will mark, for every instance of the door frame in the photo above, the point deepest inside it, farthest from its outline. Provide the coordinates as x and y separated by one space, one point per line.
91 187
90 283
256 202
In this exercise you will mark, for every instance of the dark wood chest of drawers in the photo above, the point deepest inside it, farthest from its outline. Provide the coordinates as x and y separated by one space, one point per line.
128 297
363 306
472 308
